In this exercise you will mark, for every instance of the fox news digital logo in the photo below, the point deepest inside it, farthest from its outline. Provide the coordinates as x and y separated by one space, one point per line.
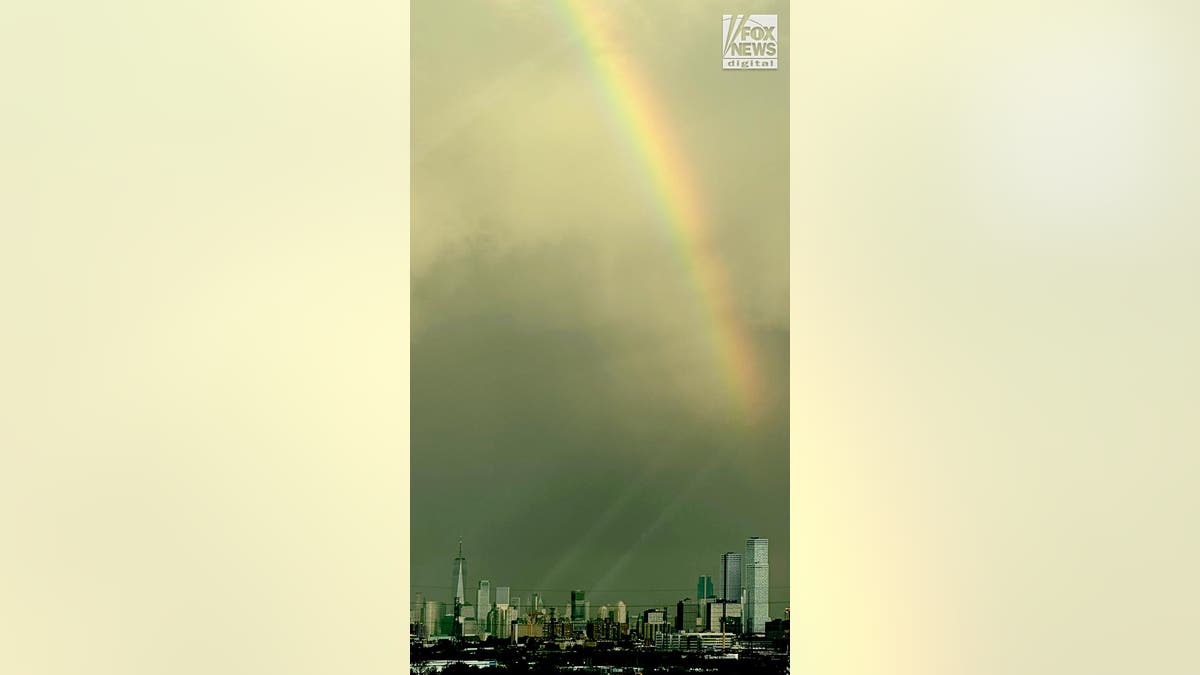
750 41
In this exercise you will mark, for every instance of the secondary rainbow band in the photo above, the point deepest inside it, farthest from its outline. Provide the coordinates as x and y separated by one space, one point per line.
641 115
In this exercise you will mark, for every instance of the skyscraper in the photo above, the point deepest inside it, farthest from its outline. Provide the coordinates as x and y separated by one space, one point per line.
621 616
578 611
430 621
704 587
685 616
731 577
731 586
460 573
504 619
503 595
483 600
757 579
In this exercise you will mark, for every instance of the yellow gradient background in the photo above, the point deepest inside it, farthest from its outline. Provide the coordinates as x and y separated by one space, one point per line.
994 330
203 373
203 276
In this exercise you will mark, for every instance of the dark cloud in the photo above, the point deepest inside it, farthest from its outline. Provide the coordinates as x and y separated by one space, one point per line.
570 419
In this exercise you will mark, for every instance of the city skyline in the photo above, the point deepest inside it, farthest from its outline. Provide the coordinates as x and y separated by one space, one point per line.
460 618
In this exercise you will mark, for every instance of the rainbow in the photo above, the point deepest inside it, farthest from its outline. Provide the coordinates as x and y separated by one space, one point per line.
646 125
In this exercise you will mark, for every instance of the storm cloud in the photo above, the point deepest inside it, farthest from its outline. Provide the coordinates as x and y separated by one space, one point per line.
571 419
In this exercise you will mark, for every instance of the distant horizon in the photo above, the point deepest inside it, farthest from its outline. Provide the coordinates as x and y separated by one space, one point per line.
525 593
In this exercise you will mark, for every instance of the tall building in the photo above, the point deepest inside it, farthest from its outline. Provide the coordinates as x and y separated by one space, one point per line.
703 613
460 573
621 616
467 623
504 618
686 614
724 617
503 594
757 581
731 577
430 620
418 607
704 591
483 600
537 603
578 611
731 587
654 623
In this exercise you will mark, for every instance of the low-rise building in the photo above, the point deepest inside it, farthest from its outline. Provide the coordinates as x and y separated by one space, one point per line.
694 642
528 629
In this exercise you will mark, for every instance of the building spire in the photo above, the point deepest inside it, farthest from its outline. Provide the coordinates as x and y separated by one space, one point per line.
460 572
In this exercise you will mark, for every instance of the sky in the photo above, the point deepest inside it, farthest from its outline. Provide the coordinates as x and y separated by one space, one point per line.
573 419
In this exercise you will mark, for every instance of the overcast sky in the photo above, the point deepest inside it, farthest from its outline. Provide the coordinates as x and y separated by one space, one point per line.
570 417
